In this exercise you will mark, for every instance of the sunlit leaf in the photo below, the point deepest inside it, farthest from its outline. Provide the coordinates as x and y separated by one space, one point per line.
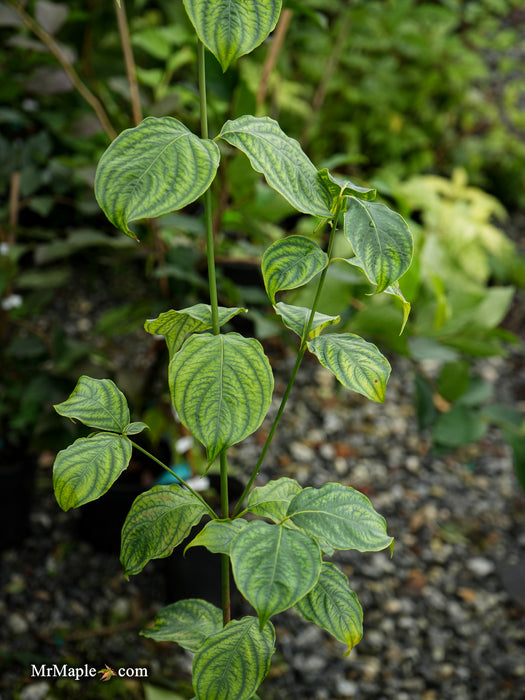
97 403
158 521
85 470
231 664
188 622
340 515
281 160
152 169
356 363
274 566
381 240
332 605
291 262
234 28
221 388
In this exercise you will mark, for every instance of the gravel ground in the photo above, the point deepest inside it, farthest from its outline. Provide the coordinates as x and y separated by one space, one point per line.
444 618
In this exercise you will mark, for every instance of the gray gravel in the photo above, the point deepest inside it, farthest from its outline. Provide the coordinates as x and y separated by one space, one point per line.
444 618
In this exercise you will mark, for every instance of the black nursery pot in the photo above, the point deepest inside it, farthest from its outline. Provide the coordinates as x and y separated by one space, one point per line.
198 573
17 477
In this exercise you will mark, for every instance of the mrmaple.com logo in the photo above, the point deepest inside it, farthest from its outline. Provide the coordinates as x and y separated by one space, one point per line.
85 671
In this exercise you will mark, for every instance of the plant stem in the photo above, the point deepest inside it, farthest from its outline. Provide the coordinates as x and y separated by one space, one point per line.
214 303
300 355
59 54
181 481
273 54
129 60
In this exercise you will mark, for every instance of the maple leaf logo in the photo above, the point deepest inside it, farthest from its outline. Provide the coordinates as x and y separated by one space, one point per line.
107 673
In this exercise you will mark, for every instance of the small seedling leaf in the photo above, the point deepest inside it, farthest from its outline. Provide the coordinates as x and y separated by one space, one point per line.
176 325
271 500
217 535
296 319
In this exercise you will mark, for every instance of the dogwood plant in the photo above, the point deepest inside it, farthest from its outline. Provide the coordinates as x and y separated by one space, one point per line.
221 383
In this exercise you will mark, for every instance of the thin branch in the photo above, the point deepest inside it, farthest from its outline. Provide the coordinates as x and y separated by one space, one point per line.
272 56
129 60
59 54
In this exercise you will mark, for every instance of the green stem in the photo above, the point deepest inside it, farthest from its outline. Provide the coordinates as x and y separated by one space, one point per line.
181 481
300 355
214 303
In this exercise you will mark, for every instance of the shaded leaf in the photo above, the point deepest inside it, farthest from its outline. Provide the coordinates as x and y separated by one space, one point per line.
342 186
274 566
281 160
234 28
152 169
340 515
217 535
158 521
221 388
176 325
291 262
85 470
296 319
356 363
332 605
97 403
188 622
231 664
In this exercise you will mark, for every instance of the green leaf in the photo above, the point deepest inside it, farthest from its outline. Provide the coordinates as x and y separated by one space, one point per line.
271 500
381 240
158 521
296 319
85 470
152 169
232 664
342 186
234 28
221 388
291 262
274 566
135 428
188 622
356 363
332 605
176 325
395 290
459 426
217 535
281 160
97 403
340 515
